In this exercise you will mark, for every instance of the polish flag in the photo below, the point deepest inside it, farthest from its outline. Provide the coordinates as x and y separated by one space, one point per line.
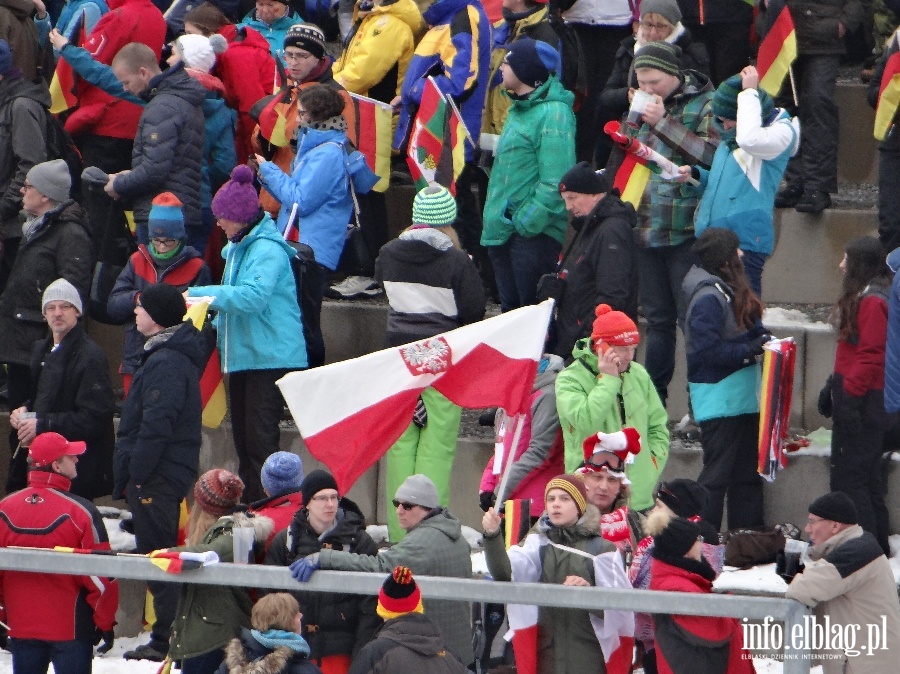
350 413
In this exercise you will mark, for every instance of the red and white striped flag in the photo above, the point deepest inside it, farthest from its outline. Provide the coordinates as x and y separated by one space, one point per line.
350 413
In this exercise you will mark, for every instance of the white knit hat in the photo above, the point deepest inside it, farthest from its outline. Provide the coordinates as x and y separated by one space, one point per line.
62 291
199 52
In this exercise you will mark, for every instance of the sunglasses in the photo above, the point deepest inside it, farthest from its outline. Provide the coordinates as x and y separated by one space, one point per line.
405 506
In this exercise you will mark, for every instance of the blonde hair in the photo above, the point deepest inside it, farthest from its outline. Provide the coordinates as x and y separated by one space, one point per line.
275 611
198 523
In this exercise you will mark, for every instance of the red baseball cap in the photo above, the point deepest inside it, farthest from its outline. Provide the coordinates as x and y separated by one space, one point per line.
48 447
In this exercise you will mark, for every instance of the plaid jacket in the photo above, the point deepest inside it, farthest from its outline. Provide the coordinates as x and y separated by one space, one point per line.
684 135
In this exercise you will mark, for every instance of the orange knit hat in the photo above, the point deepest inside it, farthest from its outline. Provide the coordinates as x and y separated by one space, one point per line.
614 327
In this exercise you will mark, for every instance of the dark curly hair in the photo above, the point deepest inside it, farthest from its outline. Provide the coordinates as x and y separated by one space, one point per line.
321 102
866 265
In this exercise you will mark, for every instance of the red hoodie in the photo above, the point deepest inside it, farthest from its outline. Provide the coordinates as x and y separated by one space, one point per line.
98 113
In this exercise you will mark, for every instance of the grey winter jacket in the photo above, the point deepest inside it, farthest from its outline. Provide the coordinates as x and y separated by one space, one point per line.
168 147
434 547
410 644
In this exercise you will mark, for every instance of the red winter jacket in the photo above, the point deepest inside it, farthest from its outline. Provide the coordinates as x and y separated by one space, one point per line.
98 113
247 70
45 515
714 646
862 363
281 510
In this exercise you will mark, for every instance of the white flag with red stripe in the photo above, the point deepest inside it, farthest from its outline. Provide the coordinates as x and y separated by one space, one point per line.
350 413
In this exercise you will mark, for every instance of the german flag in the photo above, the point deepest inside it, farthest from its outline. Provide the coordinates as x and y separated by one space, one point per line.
632 178
373 135
174 562
62 85
777 52
212 386
889 92
517 513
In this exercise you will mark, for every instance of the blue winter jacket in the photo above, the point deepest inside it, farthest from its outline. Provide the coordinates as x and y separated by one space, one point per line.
320 186
739 189
456 51
892 351
722 371
259 320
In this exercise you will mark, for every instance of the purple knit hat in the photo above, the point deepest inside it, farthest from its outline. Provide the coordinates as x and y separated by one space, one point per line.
237 199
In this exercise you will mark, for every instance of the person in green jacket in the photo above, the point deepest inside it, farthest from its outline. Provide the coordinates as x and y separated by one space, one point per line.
604 390
210 616
524 215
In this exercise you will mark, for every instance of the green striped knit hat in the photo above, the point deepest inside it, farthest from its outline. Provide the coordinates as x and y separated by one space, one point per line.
725 105
659 55
434 206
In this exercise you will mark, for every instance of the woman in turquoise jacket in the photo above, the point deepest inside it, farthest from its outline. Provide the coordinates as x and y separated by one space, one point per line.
272 18
316 203
260 335
739 189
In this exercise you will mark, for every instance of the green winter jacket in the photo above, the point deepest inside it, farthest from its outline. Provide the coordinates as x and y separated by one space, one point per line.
589 405
210 616
536 148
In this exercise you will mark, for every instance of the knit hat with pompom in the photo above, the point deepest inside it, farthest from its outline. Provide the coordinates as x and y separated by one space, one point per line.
614 327
399 595
237 199
199 52
218 491
166 220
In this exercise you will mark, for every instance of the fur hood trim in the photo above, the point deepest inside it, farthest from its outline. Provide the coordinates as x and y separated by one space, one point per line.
273 663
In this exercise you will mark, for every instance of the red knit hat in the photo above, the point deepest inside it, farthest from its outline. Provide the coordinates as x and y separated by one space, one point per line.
218 491
399 595
614 327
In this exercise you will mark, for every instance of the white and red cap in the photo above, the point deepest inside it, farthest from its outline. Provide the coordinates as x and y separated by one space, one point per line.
49 447
621 444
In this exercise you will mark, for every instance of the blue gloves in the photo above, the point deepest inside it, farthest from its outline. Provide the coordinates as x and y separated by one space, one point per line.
303 569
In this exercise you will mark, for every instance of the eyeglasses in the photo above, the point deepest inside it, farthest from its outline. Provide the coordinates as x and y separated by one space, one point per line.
406 506
164 242
296 56
326 498
655 26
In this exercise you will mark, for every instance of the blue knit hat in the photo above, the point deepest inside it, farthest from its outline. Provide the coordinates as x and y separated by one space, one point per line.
282 473
6 58
532 62
166 220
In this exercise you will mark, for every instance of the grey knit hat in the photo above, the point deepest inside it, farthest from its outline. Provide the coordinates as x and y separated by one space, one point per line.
668 9
62 291
282 473
52 179
434 206
418 490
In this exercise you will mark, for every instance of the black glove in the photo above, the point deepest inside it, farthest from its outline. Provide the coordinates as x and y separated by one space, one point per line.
788 566
823 404
108 637
486 500
756 345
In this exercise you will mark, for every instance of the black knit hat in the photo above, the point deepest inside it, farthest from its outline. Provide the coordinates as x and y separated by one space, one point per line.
532 62
315 482
835 506
583 179
659 55
306 36
716 246
164 304
685 498
676 539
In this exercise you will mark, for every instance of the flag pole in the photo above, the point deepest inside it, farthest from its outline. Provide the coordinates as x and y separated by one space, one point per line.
793 85
462 123
510 460
290 222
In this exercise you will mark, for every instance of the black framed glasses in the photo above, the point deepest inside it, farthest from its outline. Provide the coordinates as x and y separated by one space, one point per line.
403 504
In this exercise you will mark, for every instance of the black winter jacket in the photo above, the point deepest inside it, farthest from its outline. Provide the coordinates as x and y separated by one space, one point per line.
59 248
247 656
816 22
410 644
614 98
600 268
703 12
333 624
72 395
159 430
168 147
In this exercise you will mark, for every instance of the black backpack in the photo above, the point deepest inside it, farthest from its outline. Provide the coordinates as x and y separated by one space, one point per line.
60 146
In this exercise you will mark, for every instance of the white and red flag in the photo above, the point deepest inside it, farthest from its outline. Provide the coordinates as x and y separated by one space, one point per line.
350 413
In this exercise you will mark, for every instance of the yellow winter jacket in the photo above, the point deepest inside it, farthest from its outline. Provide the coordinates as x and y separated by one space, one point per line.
379 50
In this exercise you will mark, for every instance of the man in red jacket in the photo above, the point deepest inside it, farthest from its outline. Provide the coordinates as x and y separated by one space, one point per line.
45 515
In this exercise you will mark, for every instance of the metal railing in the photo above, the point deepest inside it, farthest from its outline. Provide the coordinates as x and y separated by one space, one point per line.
788 611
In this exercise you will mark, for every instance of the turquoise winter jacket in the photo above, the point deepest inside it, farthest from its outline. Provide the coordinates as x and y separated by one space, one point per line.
273 33
259 320
320 186
536 147
739 189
